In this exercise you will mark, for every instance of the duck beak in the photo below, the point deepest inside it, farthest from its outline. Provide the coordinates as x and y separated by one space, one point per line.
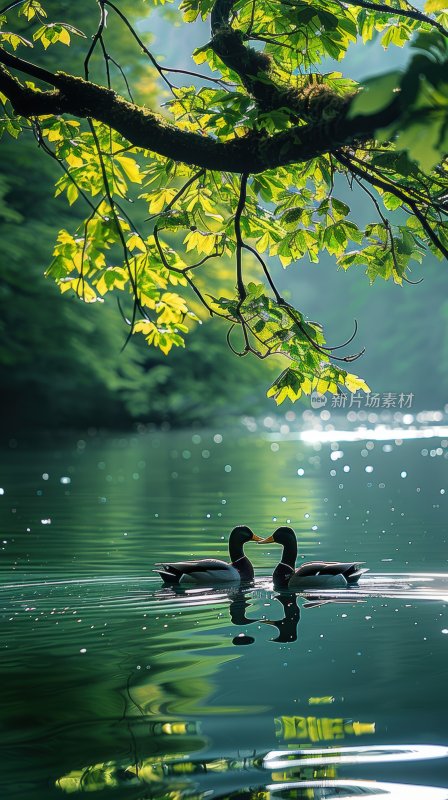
256 538
265 541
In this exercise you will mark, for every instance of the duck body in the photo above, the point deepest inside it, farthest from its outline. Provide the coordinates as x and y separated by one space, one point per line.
204 571
320 574
210 571
313 574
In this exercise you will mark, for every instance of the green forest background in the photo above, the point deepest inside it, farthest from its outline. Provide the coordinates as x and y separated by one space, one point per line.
61 361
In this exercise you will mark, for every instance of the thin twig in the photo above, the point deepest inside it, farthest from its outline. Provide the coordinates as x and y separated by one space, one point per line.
239 239
395 190
10 6
96 39
141 44
42 143
411 13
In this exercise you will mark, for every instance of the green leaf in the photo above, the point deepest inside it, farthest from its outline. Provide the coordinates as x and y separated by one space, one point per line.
14 39
375 94
397 35
30 9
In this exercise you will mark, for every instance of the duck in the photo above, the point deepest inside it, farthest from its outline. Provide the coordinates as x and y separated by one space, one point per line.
208 571
314 574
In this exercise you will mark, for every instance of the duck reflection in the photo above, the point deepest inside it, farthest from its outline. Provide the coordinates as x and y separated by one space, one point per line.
286 625
242 598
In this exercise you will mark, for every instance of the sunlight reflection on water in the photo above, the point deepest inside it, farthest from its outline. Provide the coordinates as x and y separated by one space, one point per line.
345 790
378 433
246 770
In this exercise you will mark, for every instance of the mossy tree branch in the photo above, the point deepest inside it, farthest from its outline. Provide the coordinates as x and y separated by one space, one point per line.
142 128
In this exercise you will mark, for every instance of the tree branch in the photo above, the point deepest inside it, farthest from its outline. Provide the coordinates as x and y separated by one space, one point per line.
253 69
253 153
409 13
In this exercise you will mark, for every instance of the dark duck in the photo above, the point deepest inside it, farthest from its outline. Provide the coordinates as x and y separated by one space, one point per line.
209 571
311 575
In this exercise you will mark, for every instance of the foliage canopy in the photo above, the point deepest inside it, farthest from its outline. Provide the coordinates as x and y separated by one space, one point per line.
245 162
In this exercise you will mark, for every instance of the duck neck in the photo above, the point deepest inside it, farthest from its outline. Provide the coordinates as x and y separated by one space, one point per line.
289 556
239 560
285 569
236 548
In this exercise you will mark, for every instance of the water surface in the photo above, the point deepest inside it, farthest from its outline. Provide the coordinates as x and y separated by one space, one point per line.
113 683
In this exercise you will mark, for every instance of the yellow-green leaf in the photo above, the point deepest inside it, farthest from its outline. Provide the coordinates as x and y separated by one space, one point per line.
431 6
130 168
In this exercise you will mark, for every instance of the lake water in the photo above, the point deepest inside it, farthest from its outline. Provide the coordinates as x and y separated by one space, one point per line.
111 683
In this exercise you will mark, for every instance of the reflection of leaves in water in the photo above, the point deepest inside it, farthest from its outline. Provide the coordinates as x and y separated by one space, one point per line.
180 684
314 773
318 729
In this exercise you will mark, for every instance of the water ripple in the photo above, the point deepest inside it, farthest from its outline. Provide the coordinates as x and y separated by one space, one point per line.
245 771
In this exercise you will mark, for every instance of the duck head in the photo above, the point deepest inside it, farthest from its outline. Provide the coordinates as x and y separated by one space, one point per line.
286 537
239 536
282 535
